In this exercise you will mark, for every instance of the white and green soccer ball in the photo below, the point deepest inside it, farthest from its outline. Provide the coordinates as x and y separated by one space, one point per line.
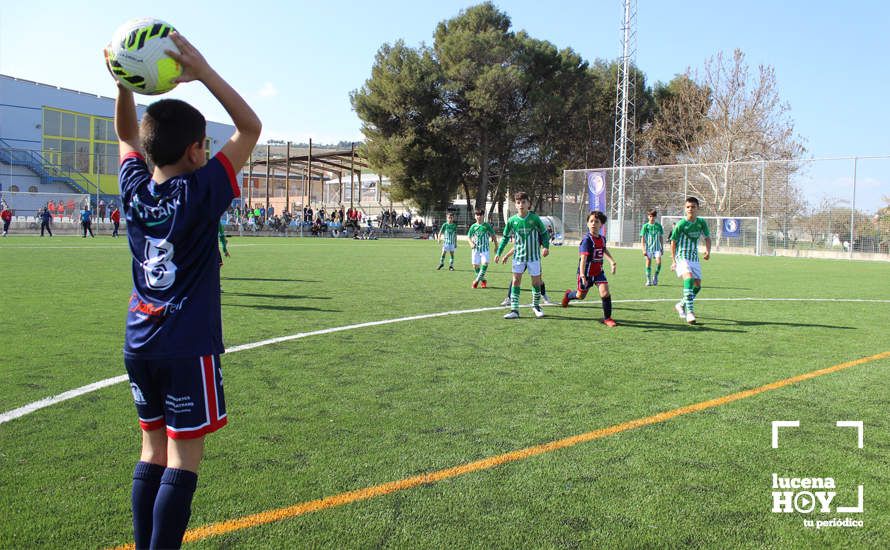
136 56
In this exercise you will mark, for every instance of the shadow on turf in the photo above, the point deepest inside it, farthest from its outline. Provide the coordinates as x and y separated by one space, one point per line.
282 296
282 308
646 325
269 280
772 323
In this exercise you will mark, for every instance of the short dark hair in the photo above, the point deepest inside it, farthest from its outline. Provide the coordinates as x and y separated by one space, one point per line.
652 212
693 200
479 212
522 195
598 215
168 127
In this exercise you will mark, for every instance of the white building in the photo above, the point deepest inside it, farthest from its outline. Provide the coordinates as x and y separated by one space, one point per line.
55 140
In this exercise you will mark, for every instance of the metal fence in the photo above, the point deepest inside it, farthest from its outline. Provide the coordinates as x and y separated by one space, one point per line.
63 206
817 207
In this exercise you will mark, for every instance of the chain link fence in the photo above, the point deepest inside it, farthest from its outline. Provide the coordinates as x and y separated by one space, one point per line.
816 207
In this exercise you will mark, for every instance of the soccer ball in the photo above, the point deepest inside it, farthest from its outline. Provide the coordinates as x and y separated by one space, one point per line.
135 57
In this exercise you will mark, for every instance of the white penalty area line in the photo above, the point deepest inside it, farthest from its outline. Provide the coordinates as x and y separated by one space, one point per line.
49 246
71 394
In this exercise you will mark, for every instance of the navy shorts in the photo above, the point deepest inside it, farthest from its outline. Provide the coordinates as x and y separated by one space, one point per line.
598 279
185 395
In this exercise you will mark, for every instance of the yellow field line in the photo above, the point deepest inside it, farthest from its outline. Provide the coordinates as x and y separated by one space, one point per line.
270 516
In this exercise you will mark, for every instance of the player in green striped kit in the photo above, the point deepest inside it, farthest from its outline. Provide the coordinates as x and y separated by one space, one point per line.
684 256
223 241
448 236
650 238
532 242
479 234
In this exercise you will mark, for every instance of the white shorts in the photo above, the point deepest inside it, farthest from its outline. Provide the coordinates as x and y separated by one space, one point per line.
534 268
480 257
449 247
654 254
684 266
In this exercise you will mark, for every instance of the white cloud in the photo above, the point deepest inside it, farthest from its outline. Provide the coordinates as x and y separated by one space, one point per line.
268 90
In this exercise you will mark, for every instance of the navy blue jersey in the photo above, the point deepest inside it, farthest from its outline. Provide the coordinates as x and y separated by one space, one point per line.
593 247
174 309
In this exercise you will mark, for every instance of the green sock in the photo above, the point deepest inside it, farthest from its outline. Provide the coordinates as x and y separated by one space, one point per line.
536 295
476 271
451 261
657 269
688 294
514 298
442 259
696 290
482 271
648 273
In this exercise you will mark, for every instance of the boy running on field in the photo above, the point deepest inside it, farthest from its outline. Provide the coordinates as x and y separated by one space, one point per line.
532 243
590 267
684 256
480 233
651 236
448 237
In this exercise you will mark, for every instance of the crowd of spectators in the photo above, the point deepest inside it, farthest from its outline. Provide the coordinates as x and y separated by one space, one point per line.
336 222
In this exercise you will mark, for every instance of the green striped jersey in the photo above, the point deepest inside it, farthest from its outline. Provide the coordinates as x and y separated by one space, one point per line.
652 233
686 234
481 233
529 235
449 233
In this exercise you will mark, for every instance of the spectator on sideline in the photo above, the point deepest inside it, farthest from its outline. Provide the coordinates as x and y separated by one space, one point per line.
86 221
115 219
101 210
45 219
6 216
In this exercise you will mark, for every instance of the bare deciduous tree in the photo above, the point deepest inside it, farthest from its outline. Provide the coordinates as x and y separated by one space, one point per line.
721 118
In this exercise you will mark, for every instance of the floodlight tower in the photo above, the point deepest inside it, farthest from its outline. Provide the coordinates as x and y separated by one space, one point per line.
625 116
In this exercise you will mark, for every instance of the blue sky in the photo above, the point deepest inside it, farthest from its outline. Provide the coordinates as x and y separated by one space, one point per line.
296 62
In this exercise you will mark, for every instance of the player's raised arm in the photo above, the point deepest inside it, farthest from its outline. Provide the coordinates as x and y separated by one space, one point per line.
125 123
247 123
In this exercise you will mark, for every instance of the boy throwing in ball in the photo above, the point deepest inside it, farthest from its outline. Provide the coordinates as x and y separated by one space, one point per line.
173 336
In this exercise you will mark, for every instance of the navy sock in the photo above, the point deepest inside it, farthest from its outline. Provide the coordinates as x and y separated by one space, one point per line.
173 507
573 295
607 307
146 482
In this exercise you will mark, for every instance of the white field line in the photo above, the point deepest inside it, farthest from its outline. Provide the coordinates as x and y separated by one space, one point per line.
71 394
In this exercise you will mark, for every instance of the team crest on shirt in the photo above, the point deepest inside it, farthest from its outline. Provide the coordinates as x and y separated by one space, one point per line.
138 398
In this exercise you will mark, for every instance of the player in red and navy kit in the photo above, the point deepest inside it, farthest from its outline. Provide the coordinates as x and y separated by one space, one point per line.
173 336
590 267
